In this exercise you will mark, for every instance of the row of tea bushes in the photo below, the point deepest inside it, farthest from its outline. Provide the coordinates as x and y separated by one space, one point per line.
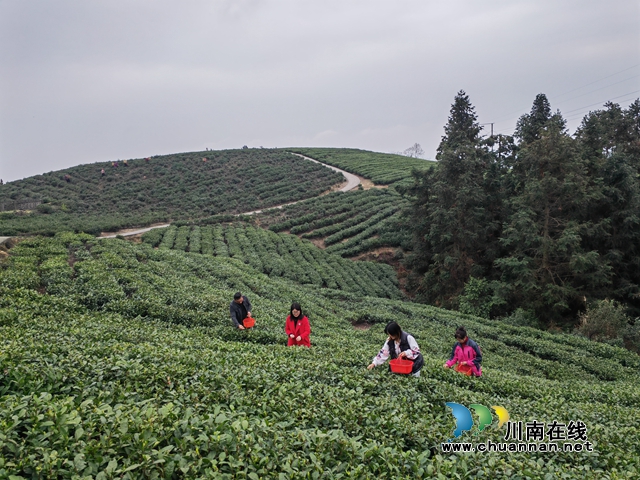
280 255
349 224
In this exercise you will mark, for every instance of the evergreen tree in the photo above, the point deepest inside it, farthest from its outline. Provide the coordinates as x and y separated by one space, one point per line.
451 215
610 141
548 224
547 268
532 126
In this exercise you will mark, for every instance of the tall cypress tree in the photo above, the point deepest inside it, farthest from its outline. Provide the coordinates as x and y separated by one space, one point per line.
610 141
531 127
453 224
547 268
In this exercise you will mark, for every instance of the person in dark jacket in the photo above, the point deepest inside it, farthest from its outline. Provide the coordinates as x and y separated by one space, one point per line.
465 355
399 344
240 309
297 327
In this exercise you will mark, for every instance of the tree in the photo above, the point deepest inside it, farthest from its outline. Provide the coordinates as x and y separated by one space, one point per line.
531 127
546 223
415 151
610 141
547 267
603 321
453 226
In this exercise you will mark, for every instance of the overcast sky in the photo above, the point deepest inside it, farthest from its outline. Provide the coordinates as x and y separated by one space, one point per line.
85 81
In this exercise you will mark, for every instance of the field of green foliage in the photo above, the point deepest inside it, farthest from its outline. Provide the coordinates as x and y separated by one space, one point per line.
347 224
117 360
280 255
159 189
381 168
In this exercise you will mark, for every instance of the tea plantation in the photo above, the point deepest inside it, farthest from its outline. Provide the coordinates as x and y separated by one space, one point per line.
158 189
347 224
382 168
280 256
117 360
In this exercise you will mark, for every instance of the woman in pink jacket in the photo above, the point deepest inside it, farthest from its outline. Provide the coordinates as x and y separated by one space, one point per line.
297 327
466 355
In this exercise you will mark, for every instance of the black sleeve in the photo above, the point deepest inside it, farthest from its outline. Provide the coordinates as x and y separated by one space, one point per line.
248 305
478 359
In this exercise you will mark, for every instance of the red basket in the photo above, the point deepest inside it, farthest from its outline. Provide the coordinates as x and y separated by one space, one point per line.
400 365
248 322
464 369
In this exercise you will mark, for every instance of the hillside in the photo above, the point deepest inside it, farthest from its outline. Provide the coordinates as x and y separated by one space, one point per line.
159 189
117 360
280 256
386 169
345 224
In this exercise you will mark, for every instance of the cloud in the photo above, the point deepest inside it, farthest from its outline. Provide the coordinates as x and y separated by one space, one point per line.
104 79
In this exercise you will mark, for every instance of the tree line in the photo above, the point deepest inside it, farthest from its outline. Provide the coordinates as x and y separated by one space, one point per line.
542 223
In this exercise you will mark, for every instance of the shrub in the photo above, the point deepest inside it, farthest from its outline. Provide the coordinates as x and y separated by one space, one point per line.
603 321
631 336
478 298
523 318
45 208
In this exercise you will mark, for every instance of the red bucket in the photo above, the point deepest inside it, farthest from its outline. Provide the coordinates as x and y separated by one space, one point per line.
400 365
248 322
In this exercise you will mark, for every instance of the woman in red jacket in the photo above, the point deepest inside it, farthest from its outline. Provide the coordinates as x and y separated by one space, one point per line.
297 327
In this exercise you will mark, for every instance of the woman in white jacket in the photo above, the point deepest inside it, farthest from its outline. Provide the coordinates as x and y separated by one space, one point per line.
399 344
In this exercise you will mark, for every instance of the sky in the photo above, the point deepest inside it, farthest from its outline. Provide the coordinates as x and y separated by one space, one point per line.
88 81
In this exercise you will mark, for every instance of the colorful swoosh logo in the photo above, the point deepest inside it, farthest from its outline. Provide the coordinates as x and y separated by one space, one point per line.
464 418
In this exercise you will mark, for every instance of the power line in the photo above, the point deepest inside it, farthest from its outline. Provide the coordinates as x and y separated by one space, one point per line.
583 114
578 115
603 78
597 89
566 114
598 103
578 88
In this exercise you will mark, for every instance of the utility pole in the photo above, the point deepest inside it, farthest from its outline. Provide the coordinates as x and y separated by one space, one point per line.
482 124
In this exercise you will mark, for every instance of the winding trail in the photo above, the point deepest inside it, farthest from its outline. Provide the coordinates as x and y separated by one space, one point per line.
352 182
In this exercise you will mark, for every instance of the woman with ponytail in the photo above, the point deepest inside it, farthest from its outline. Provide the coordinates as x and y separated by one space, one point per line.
466 355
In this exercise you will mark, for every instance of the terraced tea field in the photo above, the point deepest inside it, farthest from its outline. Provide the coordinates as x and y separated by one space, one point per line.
382 168
117 360
347 224
280 255
161 188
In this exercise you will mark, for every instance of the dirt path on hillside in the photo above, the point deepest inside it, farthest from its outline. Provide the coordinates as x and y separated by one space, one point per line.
352 182
368 184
